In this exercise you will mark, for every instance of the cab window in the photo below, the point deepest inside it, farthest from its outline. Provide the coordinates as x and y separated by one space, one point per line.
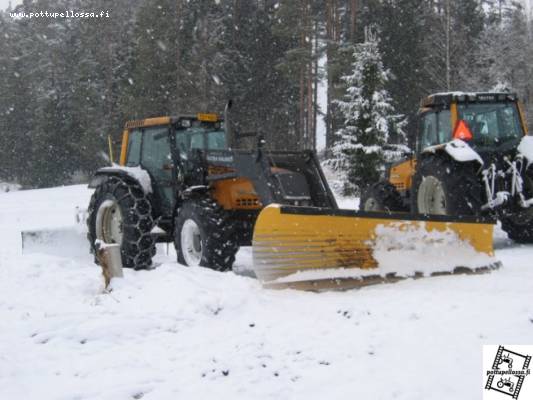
216 140
428 135
196 139
199 138
444 126
134 148
155 149
492 122
435 128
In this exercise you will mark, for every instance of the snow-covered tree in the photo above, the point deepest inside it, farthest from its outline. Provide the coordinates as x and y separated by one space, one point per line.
370 120
503 58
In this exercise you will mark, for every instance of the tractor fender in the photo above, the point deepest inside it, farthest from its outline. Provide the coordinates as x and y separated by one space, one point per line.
525 148
457 149
130 174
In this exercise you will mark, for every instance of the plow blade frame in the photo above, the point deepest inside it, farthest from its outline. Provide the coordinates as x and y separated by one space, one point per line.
319 249
62 242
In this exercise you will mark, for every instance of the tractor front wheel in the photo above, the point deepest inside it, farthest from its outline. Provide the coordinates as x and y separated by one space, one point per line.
205 235
381 196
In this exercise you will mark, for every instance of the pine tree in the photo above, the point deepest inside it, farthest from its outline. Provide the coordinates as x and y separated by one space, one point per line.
247 66
503 58
402 27
454 27
369 119
294 26
15 102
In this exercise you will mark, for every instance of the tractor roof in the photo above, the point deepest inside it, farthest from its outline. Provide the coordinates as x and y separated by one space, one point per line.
141 123
446 98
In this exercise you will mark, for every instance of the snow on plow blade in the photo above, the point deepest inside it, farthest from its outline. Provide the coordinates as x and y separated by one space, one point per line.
64 242
320 249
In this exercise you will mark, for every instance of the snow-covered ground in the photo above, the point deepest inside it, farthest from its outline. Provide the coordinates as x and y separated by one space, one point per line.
191 333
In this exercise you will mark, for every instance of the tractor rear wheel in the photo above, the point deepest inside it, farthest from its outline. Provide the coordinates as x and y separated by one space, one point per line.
442 186
205 235
381 196
120 212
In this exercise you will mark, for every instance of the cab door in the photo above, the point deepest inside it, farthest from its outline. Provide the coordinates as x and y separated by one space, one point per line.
435 128
156 158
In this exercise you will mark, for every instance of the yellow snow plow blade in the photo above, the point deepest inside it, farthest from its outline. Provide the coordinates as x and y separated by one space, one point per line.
316 249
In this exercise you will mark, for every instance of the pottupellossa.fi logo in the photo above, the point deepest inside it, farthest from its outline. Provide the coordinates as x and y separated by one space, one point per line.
507 372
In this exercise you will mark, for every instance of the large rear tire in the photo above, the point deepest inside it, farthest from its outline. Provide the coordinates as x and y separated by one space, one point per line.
382 197
442 186
205 235
120 212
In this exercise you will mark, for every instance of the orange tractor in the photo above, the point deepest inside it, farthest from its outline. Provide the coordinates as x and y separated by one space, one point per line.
473 158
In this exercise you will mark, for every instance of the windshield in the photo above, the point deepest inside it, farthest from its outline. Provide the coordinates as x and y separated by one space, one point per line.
202 138
491 123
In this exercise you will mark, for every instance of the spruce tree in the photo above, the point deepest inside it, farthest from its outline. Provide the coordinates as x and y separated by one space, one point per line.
402 26
455 27
369 119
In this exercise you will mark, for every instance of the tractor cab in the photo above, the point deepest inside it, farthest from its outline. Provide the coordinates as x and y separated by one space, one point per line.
204 132
196 156
488 122
473 157
169 149
492 124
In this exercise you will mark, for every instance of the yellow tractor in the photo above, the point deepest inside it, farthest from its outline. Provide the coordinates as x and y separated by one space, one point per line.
183 179
473 158
179 180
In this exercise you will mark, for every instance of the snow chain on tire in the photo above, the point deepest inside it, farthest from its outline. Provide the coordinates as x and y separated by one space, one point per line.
138 246
217 232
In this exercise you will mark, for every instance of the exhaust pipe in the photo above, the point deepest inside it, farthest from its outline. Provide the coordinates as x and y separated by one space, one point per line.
228 128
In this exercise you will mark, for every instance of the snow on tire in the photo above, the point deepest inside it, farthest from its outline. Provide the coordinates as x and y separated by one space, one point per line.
120 212
205 235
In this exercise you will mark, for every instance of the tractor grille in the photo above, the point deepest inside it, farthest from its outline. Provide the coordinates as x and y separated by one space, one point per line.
248 202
